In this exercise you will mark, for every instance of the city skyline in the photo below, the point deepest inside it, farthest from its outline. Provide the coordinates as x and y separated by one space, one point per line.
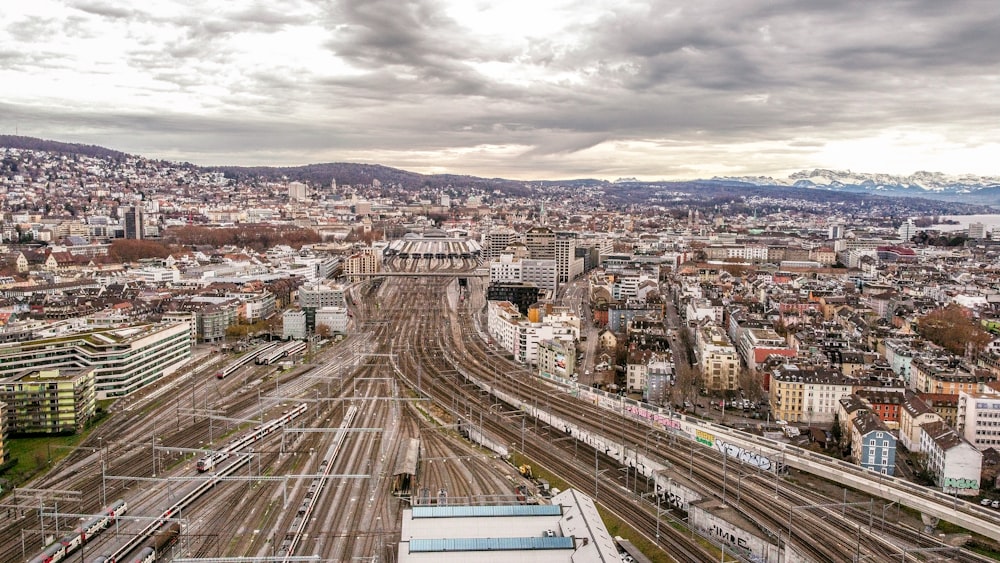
518 90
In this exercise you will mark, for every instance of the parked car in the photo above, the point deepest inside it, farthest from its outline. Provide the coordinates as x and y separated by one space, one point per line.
995 504
985 502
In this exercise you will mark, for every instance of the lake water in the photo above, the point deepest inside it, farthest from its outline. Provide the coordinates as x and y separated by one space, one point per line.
990 221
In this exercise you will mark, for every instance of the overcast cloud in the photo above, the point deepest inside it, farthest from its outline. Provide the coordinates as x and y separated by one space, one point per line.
520 89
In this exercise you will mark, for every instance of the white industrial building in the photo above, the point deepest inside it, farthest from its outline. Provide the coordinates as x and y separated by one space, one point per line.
569 530
979 419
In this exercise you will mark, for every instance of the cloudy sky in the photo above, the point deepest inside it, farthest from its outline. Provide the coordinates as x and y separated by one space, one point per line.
521 88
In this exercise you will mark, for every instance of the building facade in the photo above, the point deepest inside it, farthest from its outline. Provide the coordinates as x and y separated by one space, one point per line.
717 358
873 445
293 325
49 401
556 357
807 395
979 419
955 464
124 359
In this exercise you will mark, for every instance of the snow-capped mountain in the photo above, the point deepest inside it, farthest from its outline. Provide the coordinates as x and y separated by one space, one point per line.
918 184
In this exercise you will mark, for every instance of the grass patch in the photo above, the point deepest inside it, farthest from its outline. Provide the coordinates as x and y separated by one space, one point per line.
35 455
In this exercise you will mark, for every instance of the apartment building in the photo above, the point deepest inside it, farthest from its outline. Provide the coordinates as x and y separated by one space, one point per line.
955 464
913 414
3 433
517 334
947 377
365 261
807 395
717 358
556 357
49 401
873 445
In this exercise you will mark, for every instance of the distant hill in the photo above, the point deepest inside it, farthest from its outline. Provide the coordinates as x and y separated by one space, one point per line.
33 144
353 173
962 194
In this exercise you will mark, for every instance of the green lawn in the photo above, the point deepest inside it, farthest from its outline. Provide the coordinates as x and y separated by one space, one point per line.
35 455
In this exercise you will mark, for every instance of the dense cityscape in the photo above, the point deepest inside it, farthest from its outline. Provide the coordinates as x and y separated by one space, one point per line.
326 361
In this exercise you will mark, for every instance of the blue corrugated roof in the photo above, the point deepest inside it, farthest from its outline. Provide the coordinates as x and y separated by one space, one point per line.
489 544
486 511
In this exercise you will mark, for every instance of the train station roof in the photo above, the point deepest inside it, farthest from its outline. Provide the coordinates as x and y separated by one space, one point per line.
569 530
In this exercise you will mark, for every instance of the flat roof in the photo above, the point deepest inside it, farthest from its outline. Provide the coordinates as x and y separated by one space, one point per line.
447 511
489 544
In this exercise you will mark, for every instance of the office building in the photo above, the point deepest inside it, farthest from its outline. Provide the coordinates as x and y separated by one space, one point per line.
124 359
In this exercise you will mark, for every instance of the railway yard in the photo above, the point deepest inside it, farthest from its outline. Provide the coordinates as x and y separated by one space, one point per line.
306 460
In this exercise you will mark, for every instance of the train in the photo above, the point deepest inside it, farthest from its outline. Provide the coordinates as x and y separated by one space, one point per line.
81 535
245 359
287 349
159 543
152 549
209 462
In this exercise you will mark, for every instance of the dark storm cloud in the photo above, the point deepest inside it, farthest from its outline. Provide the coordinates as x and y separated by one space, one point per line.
669 75
416 41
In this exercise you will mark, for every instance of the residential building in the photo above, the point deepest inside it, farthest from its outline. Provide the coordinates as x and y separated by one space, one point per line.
255 306
517 334
807 395
873 446
850 408
757 344
717 359
913 414
124 359
49 401
3 432
886 405
954 463
660 377
556 357
365 261
297 191
947 377
213 315
945 405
